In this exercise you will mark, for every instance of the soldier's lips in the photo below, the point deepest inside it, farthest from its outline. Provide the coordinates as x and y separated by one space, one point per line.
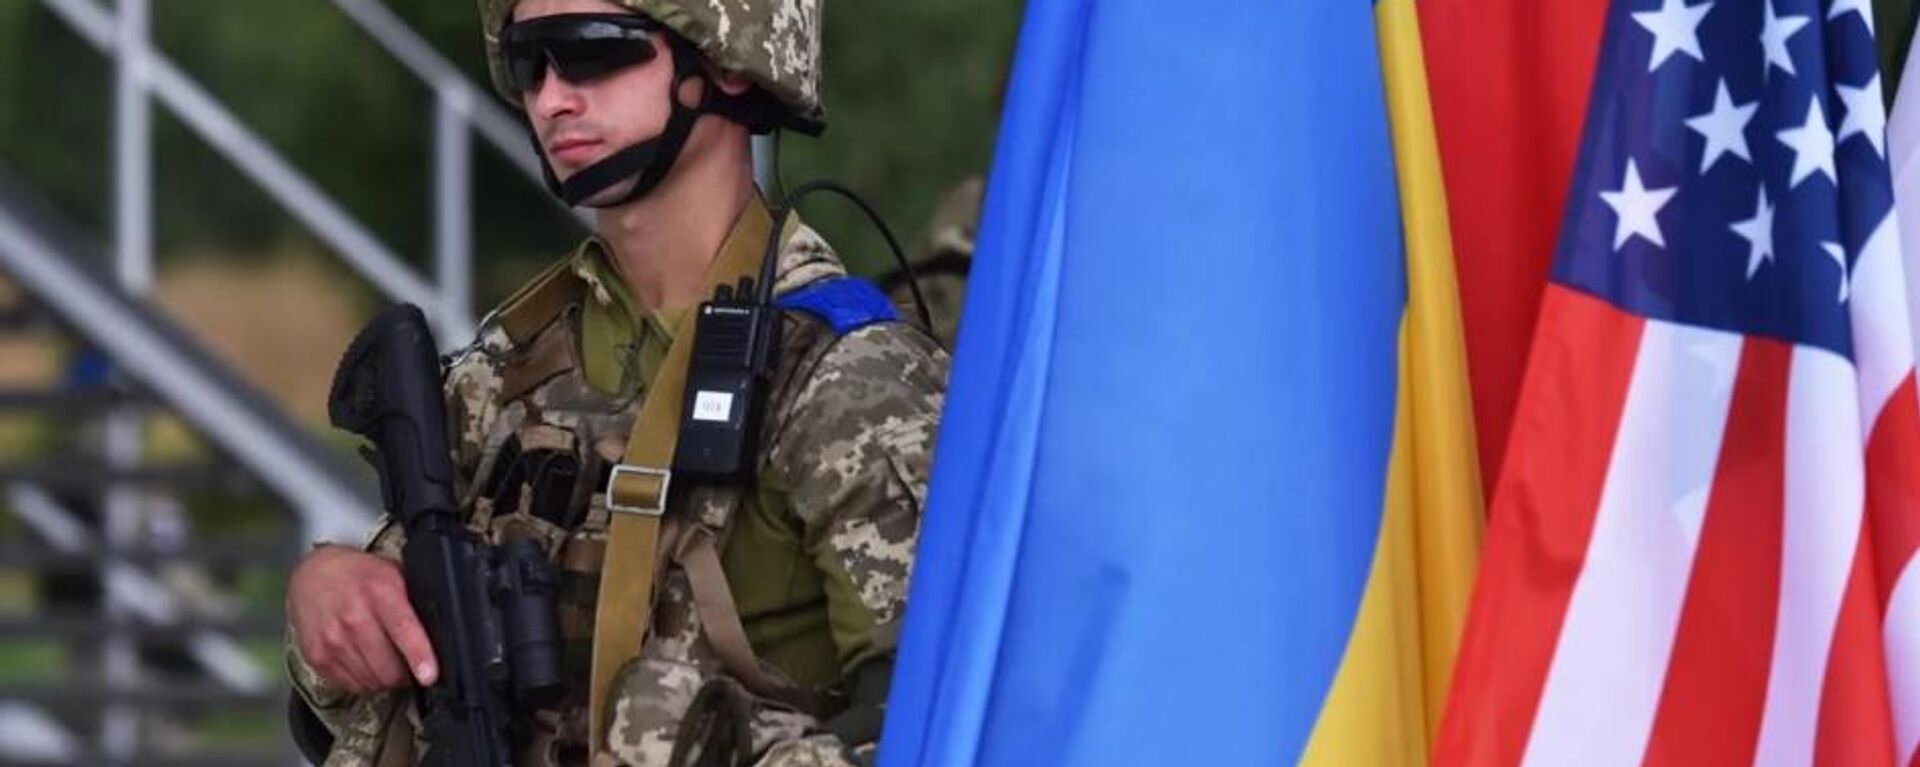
574 152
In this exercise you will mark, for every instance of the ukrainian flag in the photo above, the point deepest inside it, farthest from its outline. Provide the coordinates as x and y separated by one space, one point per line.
1205 490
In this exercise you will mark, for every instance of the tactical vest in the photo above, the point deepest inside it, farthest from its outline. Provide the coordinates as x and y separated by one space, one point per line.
534 439
544 457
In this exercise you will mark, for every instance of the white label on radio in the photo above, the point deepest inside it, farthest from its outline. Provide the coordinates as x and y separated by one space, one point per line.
712 406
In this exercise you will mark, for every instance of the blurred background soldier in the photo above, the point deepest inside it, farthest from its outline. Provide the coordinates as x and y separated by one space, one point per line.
941 258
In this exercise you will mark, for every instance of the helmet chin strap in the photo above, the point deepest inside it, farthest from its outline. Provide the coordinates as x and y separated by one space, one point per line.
647 162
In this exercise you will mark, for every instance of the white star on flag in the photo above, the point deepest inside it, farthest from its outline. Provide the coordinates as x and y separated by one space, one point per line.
1638 208
1812 145
1758 232
1724 128
1866 114
1862 7
1839 256
1774 36
1675 28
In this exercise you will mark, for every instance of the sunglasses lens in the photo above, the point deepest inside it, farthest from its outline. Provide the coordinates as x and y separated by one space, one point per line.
525 65
581 48
580 61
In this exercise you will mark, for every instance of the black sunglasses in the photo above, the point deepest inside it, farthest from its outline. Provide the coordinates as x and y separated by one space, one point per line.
581 47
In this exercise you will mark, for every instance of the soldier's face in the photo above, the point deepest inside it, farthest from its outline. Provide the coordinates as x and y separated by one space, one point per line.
579 124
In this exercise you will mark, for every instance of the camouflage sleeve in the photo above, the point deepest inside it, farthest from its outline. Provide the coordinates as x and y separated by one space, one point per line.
357 722
855 448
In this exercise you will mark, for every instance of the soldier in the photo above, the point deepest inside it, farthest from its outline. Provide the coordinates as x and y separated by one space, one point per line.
942 259
778 601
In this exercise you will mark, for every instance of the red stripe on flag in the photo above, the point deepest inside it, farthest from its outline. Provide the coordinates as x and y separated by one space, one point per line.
1716 686
1509 80
1893 486
1856 722
1563 438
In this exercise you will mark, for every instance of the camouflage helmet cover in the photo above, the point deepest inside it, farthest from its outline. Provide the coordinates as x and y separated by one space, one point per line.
775 43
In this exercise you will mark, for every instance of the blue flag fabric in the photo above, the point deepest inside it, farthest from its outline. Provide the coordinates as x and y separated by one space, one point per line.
1160 473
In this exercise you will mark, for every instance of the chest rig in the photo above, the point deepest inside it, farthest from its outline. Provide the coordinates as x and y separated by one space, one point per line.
563 461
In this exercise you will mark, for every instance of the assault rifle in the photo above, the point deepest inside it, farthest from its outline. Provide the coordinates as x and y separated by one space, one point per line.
488 611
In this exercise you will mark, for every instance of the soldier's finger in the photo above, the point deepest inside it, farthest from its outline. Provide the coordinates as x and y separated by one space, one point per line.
351 669
331 651
403 628
383 663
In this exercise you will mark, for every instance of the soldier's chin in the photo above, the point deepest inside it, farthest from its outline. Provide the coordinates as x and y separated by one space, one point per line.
611 195
606 197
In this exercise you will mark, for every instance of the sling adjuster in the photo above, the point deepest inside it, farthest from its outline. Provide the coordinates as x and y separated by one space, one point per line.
638 490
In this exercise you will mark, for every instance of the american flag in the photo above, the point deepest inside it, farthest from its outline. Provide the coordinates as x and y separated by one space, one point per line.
1701 546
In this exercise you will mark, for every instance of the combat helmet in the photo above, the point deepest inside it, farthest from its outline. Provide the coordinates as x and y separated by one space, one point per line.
775 44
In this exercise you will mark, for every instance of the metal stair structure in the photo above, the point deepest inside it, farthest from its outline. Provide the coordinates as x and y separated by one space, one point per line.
153 637
106 596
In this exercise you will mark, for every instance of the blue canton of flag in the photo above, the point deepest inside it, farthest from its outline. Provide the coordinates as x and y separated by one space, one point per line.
1735 167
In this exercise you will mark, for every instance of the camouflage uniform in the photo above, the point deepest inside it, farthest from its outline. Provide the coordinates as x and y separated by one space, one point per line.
816 552
942 259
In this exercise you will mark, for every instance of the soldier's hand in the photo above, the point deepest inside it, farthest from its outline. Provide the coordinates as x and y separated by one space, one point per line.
355 626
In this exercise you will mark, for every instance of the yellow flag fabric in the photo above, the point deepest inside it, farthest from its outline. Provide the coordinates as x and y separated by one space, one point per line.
1384 707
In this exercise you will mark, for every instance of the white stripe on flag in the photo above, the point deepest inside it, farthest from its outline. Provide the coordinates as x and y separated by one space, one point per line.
1903 153
1825 475
1604 685
1902 636
1901 629
1882 342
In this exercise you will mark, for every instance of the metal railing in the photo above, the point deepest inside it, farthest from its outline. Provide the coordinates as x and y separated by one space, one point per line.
461 110
114 550
167 362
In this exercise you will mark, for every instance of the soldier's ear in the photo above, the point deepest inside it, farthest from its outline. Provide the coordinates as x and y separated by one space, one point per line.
731 83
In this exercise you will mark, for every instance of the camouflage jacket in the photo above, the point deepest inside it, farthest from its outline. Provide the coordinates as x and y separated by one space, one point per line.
816 553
